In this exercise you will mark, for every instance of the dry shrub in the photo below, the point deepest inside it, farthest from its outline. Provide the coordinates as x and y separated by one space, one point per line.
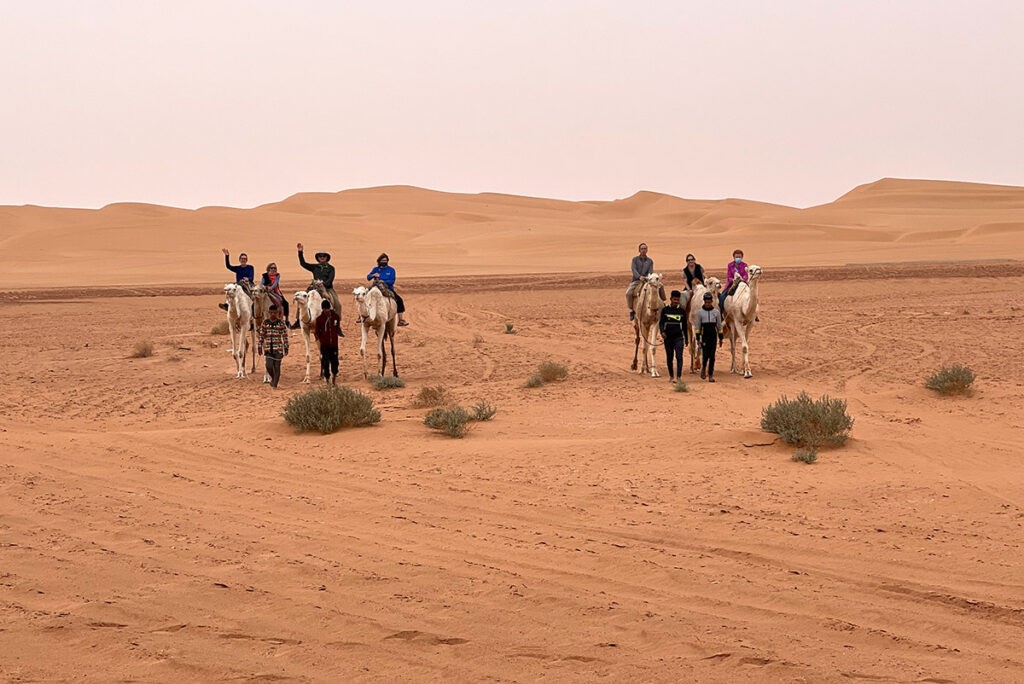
534 381
680 386
429 397
807 422
381 382
220 329
329 408
807 456
451 420
482 410
955 379
549 371
143 349
510 329
174 358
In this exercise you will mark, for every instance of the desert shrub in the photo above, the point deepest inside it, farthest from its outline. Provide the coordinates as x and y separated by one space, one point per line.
680 386
220 329
451 420
329 408
482 410
142 349
510 329
955 379
549 371
431 396
806 422
381 382
807 456
534 380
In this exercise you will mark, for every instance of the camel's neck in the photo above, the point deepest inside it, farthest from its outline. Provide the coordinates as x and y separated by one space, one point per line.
751 298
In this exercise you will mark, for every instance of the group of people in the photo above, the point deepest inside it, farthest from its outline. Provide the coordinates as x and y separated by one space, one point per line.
273 333
674 321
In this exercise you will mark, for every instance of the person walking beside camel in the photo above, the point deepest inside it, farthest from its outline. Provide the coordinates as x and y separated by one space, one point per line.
273 344
324 272
327 331
641 266
672 325
709 326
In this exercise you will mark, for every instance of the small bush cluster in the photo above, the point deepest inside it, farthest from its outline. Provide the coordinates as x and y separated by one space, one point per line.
550 371
143 349
955 379
327 409
534 381
680 386
808 423
381 382
510 329
454 420
220 329
431 396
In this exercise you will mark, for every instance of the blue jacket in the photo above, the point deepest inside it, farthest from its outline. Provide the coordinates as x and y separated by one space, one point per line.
241 272
386 275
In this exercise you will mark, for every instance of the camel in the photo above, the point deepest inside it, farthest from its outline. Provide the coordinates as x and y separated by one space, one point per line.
740 312
381 314
309 306
239 319
261 301
714 286
648 305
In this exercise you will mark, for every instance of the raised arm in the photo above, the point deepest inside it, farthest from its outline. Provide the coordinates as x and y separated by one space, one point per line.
302 261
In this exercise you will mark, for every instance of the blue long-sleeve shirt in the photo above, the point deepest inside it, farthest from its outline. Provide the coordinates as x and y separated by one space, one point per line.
386 275
241 272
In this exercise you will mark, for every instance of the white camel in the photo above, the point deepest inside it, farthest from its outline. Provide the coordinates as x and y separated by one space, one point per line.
309 306
261 301
740 312
648 305
379 313
714 286
239 318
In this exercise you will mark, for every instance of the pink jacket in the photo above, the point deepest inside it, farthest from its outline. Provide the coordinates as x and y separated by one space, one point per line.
731 270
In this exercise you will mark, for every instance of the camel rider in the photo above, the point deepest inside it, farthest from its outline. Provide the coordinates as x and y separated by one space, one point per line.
692 272
672 325
707 327
242 272
271 280
323 272
386 275
642 266
734 272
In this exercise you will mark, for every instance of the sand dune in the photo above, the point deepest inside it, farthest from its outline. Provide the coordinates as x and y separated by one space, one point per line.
428 232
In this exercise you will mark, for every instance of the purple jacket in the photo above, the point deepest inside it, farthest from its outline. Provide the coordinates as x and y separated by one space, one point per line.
731 270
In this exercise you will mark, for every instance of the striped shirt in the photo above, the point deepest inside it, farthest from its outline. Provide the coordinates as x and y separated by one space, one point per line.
274 337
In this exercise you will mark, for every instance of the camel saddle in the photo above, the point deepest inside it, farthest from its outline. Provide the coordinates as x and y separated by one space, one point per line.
247 287
384 289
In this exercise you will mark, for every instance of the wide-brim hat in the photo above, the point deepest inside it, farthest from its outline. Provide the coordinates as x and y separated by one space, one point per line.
319 254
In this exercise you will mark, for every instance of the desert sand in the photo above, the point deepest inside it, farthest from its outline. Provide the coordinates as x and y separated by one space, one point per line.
160 522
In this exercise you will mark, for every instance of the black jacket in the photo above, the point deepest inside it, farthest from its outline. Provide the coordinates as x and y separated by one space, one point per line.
321 272
673 322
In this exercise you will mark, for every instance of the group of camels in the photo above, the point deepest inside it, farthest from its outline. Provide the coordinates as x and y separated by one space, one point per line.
246 313
739 313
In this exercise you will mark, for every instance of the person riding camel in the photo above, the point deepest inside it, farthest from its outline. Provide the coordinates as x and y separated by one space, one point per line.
244 273
734 272
323 272
271 280
642 266
386 275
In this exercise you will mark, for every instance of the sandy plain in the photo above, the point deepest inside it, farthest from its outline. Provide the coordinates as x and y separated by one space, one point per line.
160 522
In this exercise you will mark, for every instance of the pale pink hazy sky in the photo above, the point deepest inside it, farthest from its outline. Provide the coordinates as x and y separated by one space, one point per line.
240 103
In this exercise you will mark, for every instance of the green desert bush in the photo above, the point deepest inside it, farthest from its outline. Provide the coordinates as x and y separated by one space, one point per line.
807 456
451 420
534 380
510 329
142 349
327 409
806 422
680 386
955 379
381 382
482 410
549 371
429 397
220 329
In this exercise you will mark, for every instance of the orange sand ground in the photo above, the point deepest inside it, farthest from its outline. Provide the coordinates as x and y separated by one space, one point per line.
160 522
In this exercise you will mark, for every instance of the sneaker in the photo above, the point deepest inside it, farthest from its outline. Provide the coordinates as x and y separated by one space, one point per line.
703 374
223 305
711 379
401 323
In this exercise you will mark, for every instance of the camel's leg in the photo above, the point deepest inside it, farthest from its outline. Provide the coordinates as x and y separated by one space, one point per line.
304 328
362 351
636 348
653 350
732 348
252 336
382 359
746 354
394 364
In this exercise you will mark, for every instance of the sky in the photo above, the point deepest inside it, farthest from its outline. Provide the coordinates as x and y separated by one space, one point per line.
241 103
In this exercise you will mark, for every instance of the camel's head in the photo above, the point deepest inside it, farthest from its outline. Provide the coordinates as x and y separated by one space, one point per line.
301 296
713 284
753 272
359 293
229 290
654 279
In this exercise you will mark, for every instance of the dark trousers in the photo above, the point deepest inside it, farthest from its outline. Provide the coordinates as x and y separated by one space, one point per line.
674 349
274 367
328 362
708 355
399 302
